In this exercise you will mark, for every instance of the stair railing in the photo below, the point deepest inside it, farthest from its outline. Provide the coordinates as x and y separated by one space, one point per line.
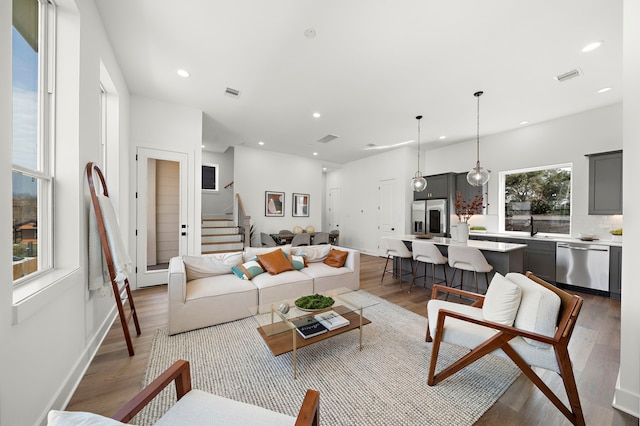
244 223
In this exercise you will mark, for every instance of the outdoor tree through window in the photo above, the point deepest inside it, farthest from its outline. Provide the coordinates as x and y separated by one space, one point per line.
538 200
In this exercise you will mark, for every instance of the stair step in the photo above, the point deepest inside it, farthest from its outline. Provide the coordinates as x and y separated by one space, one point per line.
216 222
213 238
221 246
219 230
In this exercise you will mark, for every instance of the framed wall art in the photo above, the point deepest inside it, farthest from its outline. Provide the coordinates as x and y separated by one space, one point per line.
300 205
273 203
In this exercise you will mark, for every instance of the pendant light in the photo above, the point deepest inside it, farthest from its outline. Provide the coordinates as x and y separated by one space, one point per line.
478 176
418 183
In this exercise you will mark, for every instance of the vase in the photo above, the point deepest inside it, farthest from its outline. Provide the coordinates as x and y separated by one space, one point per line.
463 232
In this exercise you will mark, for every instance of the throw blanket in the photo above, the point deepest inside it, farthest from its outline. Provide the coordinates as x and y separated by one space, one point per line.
98 270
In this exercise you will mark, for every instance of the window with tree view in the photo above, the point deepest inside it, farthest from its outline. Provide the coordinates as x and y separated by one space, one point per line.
32 180
538 200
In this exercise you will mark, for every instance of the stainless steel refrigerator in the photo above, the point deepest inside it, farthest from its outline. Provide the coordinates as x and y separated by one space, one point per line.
429 217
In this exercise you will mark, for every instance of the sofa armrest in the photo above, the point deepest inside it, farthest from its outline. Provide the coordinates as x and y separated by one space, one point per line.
177 280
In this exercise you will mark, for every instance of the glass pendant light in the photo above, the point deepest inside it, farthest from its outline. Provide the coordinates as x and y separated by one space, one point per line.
478 176
418 183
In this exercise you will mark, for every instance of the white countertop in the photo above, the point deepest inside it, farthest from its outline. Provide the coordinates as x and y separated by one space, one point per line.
482 245
537 237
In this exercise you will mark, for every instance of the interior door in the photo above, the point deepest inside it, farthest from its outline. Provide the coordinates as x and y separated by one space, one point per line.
162 208
388 213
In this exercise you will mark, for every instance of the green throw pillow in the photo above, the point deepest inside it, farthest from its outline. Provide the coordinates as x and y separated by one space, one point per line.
298 261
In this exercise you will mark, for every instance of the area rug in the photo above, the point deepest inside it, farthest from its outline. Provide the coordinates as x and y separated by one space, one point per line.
384 384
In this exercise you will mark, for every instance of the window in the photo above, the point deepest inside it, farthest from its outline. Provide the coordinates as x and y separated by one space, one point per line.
32 178
209 177
537 200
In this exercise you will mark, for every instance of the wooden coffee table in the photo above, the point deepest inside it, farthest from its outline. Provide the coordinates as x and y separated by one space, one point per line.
280 334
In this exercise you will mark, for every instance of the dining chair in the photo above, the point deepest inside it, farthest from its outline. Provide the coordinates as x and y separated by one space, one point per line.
267 240
321 238
303 239
396 249
427 253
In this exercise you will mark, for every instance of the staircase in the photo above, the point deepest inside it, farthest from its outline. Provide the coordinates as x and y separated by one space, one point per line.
220 235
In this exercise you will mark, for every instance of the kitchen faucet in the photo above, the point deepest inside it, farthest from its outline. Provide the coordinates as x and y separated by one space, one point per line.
531 222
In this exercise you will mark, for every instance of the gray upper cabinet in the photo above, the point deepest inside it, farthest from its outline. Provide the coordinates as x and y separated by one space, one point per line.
469 191
438 186
605 183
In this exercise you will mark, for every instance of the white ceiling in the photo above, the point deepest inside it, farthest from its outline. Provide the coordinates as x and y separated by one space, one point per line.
371 68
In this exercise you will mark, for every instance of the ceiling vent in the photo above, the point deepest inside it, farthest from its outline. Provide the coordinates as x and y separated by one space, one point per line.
232 92
568 75
328 138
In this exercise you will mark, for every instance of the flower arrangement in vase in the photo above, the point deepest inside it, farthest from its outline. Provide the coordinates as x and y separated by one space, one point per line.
464 210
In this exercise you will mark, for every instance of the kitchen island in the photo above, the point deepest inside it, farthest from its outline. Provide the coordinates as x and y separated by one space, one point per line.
504 257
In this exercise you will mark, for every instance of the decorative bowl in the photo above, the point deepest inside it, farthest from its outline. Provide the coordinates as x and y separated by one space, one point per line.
314 302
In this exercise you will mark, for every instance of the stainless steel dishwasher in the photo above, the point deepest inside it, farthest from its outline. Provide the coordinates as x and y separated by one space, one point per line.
583 265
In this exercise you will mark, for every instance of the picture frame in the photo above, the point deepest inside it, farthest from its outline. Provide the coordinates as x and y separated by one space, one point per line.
300 204
273 204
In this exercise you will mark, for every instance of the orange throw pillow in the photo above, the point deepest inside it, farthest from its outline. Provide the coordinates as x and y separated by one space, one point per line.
275 262
336 258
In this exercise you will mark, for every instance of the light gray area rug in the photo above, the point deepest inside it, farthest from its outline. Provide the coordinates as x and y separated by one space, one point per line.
384 384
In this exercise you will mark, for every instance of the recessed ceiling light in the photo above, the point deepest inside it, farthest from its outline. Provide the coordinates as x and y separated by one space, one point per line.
604 89
183 73
592 46
315 153
522 123
316 115
443 137
201 146
324 169
260 143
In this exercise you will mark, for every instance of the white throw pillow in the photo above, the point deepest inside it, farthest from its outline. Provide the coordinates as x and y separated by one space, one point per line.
210 265
313 253
501 301
539 308
79 418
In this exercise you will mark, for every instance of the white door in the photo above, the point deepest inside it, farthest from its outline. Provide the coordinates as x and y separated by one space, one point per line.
161 215
388 213
334 209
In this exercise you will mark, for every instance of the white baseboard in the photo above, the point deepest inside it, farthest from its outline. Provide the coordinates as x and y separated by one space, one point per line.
623 400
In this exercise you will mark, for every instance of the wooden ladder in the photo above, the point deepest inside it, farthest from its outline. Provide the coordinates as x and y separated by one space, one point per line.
122 294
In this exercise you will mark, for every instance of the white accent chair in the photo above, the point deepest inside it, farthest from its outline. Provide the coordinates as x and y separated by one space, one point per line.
195 407
427 253
521 317
471 259
396 248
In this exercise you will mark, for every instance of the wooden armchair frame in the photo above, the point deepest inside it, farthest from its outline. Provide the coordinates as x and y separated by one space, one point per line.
180 373
568 315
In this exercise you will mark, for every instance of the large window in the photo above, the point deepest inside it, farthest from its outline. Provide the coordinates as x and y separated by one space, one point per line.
32 177
537 200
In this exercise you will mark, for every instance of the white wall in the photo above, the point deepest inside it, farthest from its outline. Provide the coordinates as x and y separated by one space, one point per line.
49 339
563 140
358 182
220 202
257 171
174 129
627 394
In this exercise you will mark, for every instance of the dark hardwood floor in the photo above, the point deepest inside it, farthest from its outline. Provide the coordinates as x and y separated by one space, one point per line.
113 377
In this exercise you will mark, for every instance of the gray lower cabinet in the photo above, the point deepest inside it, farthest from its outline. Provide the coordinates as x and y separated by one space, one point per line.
605 183
615 272
539 257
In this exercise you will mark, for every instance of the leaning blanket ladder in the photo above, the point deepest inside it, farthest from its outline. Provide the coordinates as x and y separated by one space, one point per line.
123 294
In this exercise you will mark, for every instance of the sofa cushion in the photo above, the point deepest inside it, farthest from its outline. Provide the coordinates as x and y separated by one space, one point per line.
210 265
539 308
336 258
248 269
251 252
275 262
501 301
313 253
79 418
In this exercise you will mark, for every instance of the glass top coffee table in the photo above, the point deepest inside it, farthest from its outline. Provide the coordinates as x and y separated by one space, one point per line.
278 326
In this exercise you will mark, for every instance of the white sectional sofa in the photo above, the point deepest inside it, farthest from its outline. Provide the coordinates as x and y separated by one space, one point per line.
204 290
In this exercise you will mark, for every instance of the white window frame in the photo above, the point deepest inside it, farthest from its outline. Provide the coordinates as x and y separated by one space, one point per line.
45 142
502 203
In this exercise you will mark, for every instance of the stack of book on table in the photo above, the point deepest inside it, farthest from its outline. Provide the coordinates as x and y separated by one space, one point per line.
309 327
331 320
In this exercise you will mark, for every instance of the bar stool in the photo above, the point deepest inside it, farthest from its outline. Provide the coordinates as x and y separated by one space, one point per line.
397 248
468 259
426 252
